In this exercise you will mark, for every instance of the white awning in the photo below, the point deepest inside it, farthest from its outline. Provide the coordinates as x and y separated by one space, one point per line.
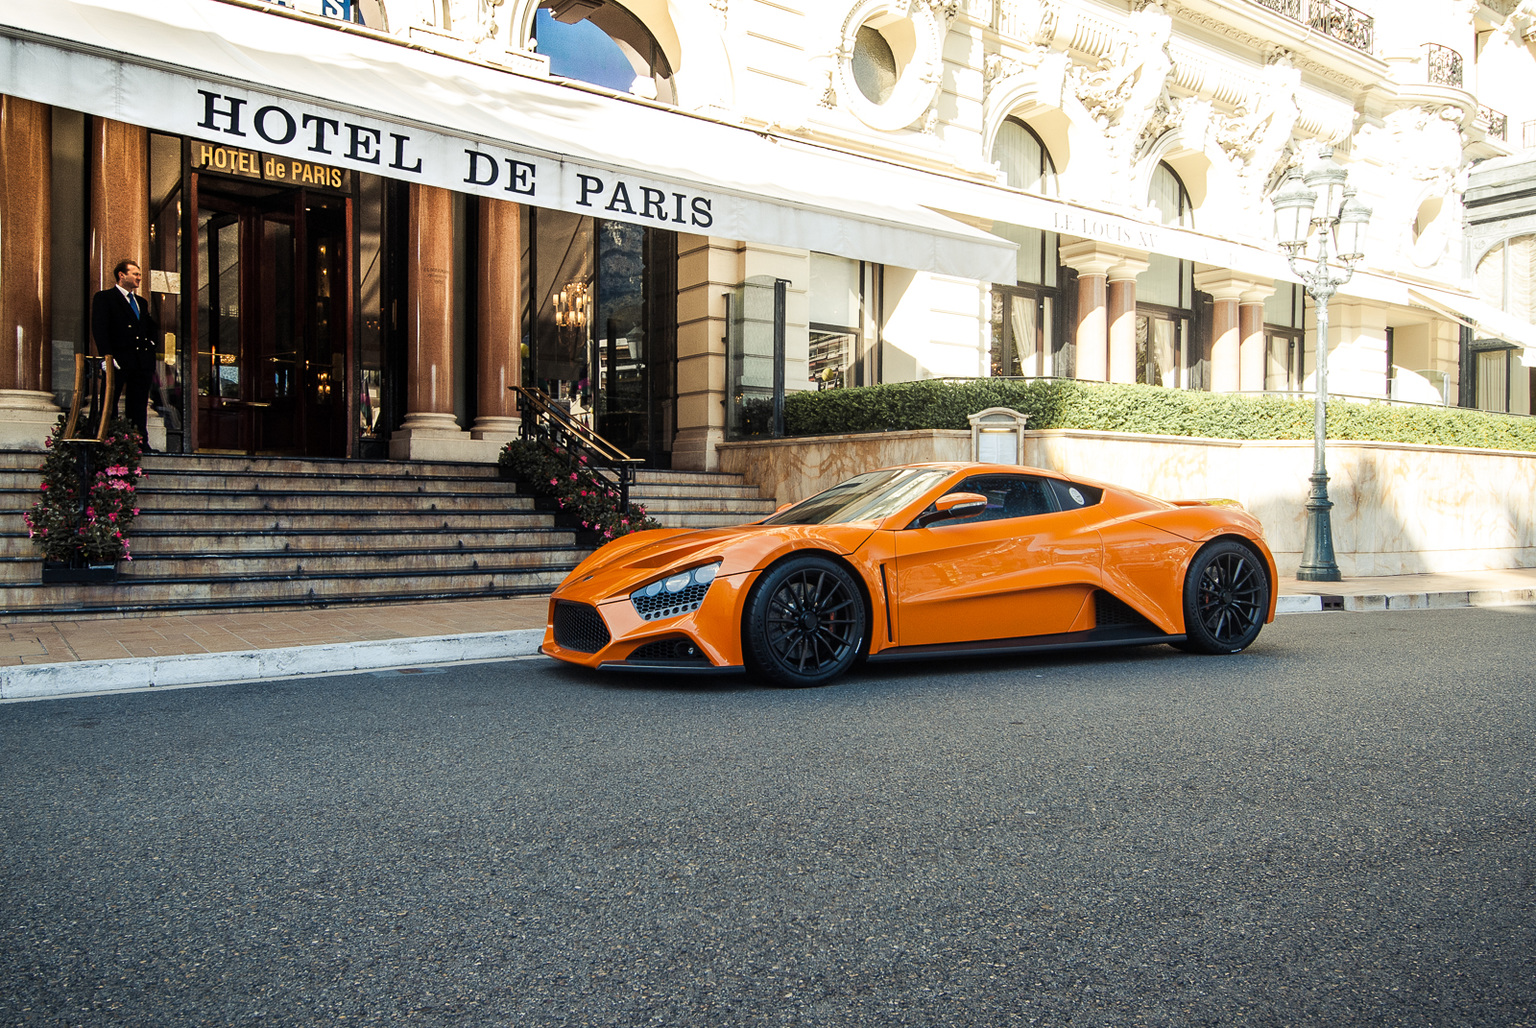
281 86
1483 318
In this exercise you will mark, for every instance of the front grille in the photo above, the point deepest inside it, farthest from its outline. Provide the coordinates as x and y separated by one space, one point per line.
579 627
665 604
671 651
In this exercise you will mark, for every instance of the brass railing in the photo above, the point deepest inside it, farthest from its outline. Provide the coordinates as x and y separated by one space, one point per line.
544 419
88 407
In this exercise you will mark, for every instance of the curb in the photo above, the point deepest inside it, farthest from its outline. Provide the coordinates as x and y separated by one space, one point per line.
37 681
1368 602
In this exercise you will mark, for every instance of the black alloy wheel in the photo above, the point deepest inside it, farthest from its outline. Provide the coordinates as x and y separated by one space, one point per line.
805 622
1226 598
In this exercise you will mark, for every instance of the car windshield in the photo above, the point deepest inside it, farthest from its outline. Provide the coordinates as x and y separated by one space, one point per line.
868 497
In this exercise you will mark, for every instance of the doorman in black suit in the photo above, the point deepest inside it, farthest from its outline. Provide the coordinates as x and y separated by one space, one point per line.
127 333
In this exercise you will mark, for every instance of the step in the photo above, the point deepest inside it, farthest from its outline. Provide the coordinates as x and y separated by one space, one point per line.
688 490
224 522
322 500
148 543
170 463
129 595
228 481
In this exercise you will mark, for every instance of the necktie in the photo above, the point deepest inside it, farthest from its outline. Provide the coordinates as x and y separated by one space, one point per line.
134 304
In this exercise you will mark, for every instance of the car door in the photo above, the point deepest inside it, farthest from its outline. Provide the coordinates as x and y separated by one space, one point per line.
1022 567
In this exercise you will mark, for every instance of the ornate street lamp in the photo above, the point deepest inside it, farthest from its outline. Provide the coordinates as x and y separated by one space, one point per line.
1334 223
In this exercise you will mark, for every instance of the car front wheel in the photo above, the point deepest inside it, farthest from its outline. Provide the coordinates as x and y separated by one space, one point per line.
1226 598
805 622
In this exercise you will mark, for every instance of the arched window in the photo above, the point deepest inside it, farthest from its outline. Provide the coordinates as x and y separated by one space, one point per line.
1026 339
605 45
1024 159
1166 353
1169 198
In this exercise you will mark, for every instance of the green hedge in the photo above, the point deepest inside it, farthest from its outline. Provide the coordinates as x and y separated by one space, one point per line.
1150 410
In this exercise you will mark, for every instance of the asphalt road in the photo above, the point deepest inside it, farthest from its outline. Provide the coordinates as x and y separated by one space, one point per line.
1335 828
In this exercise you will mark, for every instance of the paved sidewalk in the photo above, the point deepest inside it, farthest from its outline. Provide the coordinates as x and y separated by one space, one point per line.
58 658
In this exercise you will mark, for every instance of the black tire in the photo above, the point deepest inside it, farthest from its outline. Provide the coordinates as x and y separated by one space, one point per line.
1226 598
805 622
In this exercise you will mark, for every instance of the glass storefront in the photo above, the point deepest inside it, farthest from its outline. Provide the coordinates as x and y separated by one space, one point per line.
599 326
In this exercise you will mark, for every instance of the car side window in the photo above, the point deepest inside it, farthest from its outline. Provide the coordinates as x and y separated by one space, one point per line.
1074 495
1008 496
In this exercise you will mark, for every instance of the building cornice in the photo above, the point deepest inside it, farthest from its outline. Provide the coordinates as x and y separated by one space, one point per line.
1251 25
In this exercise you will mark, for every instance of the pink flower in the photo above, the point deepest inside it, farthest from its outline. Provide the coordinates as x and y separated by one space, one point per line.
573 476
45 487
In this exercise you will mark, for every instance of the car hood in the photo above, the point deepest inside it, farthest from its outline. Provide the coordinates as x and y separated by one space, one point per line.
638 558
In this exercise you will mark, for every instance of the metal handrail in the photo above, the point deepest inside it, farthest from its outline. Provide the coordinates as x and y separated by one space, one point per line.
94 379
543 419
1497 121
1332 18
1442 65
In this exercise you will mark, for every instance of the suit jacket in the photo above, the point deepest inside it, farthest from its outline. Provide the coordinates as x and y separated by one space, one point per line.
132 341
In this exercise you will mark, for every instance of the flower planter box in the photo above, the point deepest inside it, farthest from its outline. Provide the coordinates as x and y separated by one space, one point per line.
66 573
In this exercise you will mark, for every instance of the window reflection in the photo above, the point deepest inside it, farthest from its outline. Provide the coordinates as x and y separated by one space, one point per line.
604 44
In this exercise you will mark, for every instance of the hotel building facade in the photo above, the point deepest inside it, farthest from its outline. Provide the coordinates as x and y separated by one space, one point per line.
361 221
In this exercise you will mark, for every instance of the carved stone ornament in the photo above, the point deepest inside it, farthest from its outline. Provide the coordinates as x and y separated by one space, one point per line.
1123 91
828 95
913 102
474 21
998 69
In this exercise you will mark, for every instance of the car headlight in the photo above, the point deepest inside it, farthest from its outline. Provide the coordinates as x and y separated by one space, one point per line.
675 594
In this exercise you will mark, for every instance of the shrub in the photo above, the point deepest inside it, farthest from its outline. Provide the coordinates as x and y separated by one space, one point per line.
1149 410
585 496
92 529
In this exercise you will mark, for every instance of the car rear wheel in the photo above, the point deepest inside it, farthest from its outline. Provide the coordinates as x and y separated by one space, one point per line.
805 622
1226 598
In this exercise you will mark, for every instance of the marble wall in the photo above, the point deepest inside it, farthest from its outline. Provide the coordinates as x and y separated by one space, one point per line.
1398 509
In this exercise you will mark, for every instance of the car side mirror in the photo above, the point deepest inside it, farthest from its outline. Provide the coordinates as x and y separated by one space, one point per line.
952 505
781 508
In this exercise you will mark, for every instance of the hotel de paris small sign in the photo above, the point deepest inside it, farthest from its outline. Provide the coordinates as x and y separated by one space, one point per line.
228 160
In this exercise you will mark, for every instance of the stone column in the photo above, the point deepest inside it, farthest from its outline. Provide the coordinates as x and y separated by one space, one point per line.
27 410
707 269
430 430
1253 358
1093 261
1231 346
1122 319
119 192
500 329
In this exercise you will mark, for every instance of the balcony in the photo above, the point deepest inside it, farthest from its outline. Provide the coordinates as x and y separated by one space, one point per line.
1442 65
1330 17
1497 122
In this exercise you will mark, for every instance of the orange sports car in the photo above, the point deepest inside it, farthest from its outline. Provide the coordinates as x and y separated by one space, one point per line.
921 561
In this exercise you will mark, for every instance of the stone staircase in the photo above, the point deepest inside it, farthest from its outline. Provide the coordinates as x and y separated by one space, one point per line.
219 533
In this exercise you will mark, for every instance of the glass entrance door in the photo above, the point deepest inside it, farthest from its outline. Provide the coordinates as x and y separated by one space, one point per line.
272 330
601 326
